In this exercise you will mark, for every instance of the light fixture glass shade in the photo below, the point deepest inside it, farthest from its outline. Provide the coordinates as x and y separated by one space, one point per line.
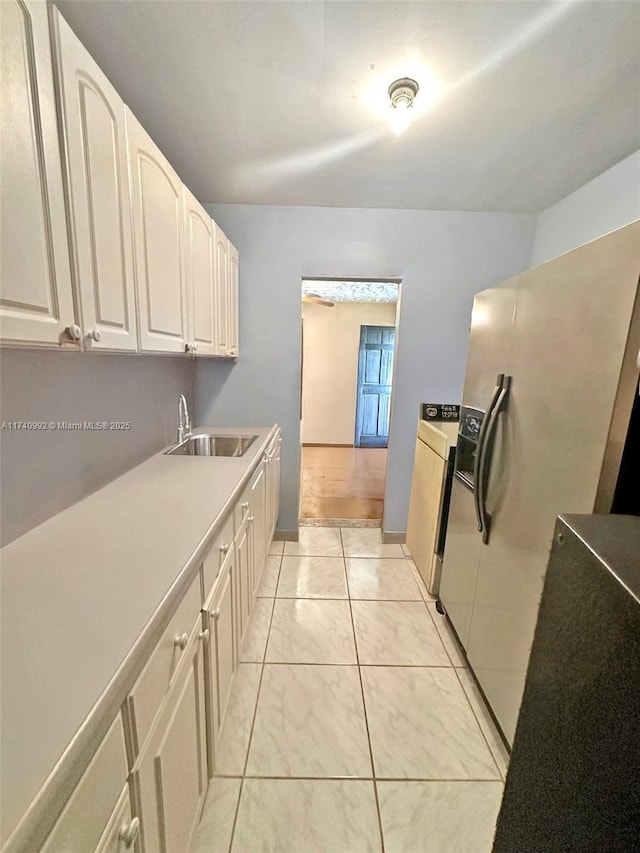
401 93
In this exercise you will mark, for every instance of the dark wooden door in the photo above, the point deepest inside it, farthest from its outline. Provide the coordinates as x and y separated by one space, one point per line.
375 368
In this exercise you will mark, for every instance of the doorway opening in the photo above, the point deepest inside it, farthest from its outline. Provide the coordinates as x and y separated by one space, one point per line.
348 348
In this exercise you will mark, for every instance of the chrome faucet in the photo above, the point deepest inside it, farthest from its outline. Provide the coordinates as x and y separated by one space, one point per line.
184 422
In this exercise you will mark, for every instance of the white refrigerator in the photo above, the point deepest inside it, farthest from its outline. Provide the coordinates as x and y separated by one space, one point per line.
565 336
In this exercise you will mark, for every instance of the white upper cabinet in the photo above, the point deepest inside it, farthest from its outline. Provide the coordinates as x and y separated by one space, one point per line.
233 301
222 291
200 267
36 295
226 261
158 229
94 133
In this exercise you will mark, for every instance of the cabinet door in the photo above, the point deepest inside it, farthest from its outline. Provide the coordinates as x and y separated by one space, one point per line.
169 779
273 485
244 573
222 291
88 813
233 301
200 270
95 142
220 618
158 228
36 300
122 831
258 504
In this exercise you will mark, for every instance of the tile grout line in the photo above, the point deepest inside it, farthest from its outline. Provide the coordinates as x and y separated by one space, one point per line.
255 711
364 705
493 758
455 669
434 779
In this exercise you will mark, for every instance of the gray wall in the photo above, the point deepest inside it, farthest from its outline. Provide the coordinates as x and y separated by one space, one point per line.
609 201
43 472
443 258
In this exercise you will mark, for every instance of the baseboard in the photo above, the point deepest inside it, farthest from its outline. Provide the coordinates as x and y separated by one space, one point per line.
286 536
324 444
394 537
340 522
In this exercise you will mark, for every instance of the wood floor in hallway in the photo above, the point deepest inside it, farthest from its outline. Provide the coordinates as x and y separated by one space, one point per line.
343 482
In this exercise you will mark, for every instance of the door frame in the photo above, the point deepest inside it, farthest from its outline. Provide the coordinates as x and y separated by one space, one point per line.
391 279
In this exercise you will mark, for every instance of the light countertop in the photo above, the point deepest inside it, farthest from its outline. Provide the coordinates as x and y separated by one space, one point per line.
80 594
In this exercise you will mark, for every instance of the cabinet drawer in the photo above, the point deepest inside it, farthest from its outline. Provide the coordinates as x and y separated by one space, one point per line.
81 826
222 543
144 700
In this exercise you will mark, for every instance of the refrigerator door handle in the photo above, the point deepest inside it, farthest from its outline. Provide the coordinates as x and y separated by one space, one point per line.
481 441
485 457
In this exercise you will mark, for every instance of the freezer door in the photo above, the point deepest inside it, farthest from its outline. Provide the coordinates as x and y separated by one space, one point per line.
489 354
571 334
490 342
461 557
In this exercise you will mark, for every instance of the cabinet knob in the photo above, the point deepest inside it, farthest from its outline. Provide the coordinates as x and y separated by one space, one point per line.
95 335
251 519
215 615
191 347
204 636
224 549
182 641
74 333
129 832
245 504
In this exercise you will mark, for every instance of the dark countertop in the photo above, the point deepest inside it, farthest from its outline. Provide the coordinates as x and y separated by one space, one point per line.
615 539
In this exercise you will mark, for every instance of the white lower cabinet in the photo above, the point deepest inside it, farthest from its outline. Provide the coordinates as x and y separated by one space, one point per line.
244 563
257 497
98 809
145 786
123 829
272 462
219 618
169 780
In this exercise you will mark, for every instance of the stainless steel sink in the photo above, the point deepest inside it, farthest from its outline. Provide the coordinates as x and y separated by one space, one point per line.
210 444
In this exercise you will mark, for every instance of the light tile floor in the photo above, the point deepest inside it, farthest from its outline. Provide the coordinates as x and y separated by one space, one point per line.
353 721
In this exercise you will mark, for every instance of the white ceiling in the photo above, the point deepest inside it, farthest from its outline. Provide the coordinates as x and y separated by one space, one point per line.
285 102
351 291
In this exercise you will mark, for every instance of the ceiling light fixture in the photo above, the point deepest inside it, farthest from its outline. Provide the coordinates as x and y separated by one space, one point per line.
402 93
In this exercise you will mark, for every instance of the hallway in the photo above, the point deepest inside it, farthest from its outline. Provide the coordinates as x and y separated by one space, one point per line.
342 482
353 724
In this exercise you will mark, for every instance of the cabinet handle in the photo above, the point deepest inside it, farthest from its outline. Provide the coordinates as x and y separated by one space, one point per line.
215 615
224 549
95 335
129 833
74 333
181 642
204 636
